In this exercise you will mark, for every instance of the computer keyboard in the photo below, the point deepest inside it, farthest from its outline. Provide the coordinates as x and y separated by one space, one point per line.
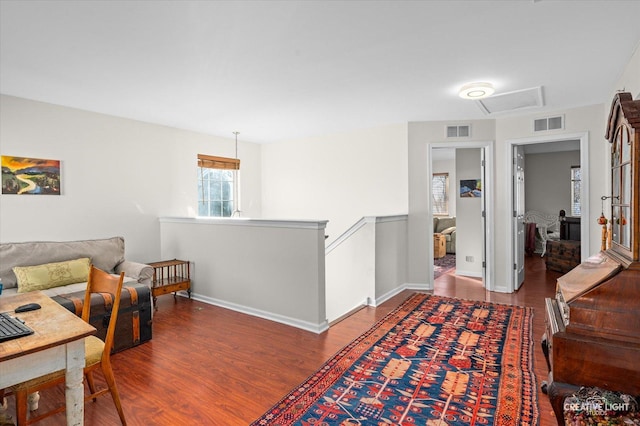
11 327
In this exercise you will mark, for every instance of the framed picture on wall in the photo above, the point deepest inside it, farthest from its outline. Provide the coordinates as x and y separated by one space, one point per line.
470 188
34 176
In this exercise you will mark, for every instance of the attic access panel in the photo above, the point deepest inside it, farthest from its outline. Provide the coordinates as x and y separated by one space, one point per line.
512 101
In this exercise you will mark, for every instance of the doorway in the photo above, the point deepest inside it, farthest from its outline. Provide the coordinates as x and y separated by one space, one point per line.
478 227
541 195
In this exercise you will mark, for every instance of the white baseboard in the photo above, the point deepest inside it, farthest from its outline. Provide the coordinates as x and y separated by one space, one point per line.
406 286
293 322
304 325
472 274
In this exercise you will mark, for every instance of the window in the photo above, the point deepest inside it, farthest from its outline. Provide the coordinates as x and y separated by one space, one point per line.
440 193
217 185
576 184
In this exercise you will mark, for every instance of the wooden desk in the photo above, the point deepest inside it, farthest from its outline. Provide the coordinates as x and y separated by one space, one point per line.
57 344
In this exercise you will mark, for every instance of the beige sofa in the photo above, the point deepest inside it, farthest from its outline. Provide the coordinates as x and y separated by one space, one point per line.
106 254
63 268
446 226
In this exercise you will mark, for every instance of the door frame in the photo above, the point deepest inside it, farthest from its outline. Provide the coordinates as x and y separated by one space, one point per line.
487 191
584 193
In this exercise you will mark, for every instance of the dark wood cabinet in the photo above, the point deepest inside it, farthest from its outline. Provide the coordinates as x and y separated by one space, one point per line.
570 228
592 333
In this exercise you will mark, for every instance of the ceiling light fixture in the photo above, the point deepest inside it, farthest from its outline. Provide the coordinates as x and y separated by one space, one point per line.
476 90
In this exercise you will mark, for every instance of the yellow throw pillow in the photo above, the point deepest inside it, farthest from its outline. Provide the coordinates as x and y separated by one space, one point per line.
42 277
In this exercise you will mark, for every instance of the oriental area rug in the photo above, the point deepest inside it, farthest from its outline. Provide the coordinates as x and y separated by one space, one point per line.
443 265
432 361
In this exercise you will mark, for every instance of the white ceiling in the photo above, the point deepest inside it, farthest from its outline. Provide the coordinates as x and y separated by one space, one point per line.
277 70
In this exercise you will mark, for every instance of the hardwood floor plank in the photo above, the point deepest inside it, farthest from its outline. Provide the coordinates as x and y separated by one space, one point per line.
212 366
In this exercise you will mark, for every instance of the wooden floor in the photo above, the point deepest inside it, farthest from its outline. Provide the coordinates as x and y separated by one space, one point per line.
211 366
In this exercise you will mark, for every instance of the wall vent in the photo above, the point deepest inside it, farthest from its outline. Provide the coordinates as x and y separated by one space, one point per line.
458 131
548 123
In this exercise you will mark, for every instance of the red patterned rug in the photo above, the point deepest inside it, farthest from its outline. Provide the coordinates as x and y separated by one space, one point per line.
432 361
443 265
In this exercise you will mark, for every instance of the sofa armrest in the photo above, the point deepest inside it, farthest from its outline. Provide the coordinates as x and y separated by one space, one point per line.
452 243
141 272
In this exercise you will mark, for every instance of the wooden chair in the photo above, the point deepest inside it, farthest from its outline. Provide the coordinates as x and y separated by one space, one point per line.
97 353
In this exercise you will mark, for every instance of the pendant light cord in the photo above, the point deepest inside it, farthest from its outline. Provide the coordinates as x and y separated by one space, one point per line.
236 211
236 133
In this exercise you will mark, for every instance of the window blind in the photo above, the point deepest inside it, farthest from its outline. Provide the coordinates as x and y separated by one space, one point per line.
440 193
213 162
576 183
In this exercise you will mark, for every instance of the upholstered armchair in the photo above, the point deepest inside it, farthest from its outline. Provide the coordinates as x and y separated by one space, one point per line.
447 227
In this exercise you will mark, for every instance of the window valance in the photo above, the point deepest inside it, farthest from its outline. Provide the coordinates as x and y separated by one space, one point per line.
213 162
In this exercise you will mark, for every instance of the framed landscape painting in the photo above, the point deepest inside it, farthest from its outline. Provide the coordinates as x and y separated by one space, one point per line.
33 176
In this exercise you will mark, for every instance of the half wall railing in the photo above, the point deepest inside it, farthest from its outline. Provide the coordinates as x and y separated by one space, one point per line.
366 264
282 270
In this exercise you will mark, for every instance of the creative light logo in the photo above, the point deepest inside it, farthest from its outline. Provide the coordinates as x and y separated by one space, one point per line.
596 406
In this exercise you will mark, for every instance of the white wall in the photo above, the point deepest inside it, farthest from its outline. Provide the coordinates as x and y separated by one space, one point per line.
469 230
577 120
391 256
340 177
420 224
118 175
629 80
366 266
547 183
274 270
350 270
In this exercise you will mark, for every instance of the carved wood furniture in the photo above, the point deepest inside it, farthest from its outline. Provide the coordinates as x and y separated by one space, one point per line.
592 333
170 276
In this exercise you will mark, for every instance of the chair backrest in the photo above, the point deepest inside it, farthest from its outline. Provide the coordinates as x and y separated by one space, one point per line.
552 222
109 286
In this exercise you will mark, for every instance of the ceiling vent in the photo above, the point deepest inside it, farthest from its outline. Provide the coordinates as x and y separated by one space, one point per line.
548 123
458 131
512 101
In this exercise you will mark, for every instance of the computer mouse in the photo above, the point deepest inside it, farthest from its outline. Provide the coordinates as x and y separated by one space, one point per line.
28 307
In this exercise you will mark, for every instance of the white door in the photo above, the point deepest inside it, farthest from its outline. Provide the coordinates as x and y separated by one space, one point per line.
518 214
